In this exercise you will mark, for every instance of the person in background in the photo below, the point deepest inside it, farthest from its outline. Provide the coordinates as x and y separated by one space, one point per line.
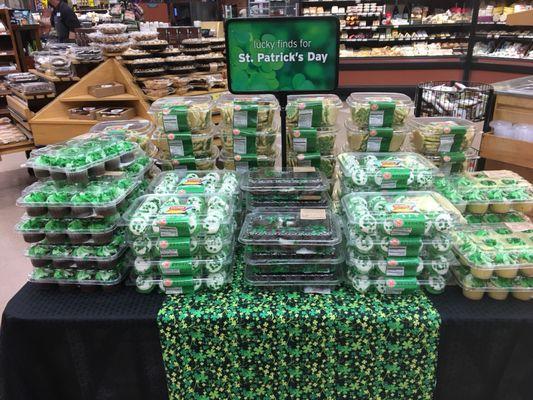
63 19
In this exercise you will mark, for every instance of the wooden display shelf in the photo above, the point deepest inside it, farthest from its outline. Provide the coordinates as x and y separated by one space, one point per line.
510 151
191 93
54 78
88 97
19 106
21 121
16 147
30 97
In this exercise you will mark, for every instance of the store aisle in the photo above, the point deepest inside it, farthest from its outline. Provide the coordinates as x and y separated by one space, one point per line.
14 267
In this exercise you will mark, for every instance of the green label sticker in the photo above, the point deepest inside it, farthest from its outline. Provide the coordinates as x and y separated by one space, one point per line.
178 284
381 114
404 246
304 140
310 113
308 160
244 114
407 266
187 162
400 285
379 139
174 247
244 162
452 138
244 141
407 224
175 119
393 178
180 144
173 225
184 267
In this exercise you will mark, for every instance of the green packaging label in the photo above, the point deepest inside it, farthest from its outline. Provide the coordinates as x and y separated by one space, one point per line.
379 139
187 162
174 247
308 160
184 267
452 161
175 119
381 114
393 178
404 246
402 266
180 144
400 285
304 140
174 224
452 138
244 114
244 162
310 113
244 141
404 224
178 284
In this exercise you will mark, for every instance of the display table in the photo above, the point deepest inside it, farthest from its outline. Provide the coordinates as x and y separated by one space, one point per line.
71 345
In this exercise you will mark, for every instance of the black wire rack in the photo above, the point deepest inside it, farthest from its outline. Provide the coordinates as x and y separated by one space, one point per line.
458 99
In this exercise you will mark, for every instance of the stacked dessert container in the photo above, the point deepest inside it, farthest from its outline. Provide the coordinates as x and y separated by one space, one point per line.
72 213
183 234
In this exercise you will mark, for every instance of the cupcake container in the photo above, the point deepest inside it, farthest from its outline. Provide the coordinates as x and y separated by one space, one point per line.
374 139
380 110
307 277
182 285
256 112
285 256
313 110
397 285
195 265
397 246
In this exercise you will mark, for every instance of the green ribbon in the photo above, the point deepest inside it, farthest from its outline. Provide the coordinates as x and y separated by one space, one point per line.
381 114
174 225
304 140
401 285
244 162
395 178
412 224
184 267
178 284
187 162
379 139
174 247
244 114
406 266
180 144
452 138
175 119
309 160
404 246
244 141
310 113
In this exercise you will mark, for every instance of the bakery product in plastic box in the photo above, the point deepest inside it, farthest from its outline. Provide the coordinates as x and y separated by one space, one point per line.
434 135
183 114
312 110
256 112
380 110
245 141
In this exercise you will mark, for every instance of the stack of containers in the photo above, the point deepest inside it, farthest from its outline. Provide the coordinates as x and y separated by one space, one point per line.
398 242
184 133
184 241
445 141
249 131
291 237
379 121
72 213
312 132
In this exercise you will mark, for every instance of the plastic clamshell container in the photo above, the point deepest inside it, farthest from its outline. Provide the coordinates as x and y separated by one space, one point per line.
398 246
400 213
313 140
79 159
291 228
34 88
434 135
83 257
380 110
180 215
101 197
246 162
371 171
326 164
256 112
287 256
312 110
287 201
374 139
99 231
398 285
496 250
183 114
495 218
287 181
190 163
263 276
195 265
361 264
125 127
84 279
497 288
487 191
175 284
208 182
237 141
454 162
175 145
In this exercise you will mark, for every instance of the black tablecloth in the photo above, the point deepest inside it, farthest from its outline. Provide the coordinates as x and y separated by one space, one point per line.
71 346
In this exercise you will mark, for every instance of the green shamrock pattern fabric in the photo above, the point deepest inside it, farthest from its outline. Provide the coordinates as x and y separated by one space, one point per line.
247 343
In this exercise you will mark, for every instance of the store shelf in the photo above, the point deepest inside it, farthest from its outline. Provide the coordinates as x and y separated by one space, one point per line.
7 53
54 78
419 26
401 41
30 97
16 147
88 97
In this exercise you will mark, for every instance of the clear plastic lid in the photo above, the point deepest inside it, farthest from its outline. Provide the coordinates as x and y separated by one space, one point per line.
454 162
31 88
376 139
289 201
380 109
398 285
182 144
400 213
240 101
386 171
506 247
19 77
306 111
79 277
251 112
112 28
494 191
433 135
126 127
246 162
311 140
398 246
293 181
195 265
208 182
202 103
262 255
310 282
175 284
249 141
179 215
183 114
498 288
291 228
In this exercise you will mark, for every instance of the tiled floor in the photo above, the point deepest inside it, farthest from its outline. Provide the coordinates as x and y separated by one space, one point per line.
14 267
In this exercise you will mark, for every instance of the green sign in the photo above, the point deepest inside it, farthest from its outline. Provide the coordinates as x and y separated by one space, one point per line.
270 55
